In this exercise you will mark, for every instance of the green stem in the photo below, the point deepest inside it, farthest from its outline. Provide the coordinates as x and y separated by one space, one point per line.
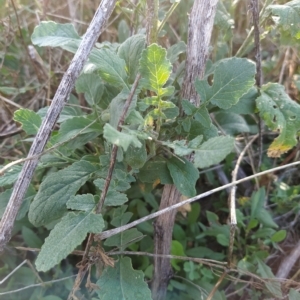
168 14
242 50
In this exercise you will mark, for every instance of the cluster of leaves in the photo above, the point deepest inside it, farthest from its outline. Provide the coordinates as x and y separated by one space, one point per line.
153 145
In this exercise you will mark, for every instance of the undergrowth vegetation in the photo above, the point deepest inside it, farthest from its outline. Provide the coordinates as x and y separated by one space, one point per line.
162 139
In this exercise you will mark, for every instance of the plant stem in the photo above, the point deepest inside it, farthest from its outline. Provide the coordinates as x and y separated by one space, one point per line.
152 21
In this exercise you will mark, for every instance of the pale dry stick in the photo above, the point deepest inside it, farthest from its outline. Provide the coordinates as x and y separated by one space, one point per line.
62 94
36 285
232 218
19 161
289 262
10 102
13 271
108 233
167 16
284 64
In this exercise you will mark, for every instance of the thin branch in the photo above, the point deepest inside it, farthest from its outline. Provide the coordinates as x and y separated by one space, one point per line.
108 233
13 271
258 77
167 16
62 94
36 285
233 221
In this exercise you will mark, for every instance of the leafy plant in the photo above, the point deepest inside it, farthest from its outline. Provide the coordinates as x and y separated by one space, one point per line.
159 133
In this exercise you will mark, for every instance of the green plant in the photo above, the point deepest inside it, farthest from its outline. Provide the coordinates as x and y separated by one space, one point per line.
159 132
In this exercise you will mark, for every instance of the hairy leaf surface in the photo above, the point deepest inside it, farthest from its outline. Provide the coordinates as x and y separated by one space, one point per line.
184 175
66 236
123 282
56 189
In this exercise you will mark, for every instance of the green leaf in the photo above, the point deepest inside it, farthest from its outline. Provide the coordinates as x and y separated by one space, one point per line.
31 239
49 33
74 127
184 175
223 19
279 236
198 129
92 87
123 31
124 239
5 196
56 189
233 77
176 249
117 105
136 157
188 107
182 147
10 176
175 50
110 66
266 273
246 104
66 236
154 171
231 123
82 202
131 51
123 282
289 16
258 211
120 139
280 113
202 115
213 151
113 197
223 239
30 120
294 295
155 68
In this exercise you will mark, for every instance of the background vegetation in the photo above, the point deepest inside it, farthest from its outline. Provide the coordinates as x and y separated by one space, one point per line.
267 207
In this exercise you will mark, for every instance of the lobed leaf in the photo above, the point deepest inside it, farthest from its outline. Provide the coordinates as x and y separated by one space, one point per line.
280 113
233 77
288 16
155 68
